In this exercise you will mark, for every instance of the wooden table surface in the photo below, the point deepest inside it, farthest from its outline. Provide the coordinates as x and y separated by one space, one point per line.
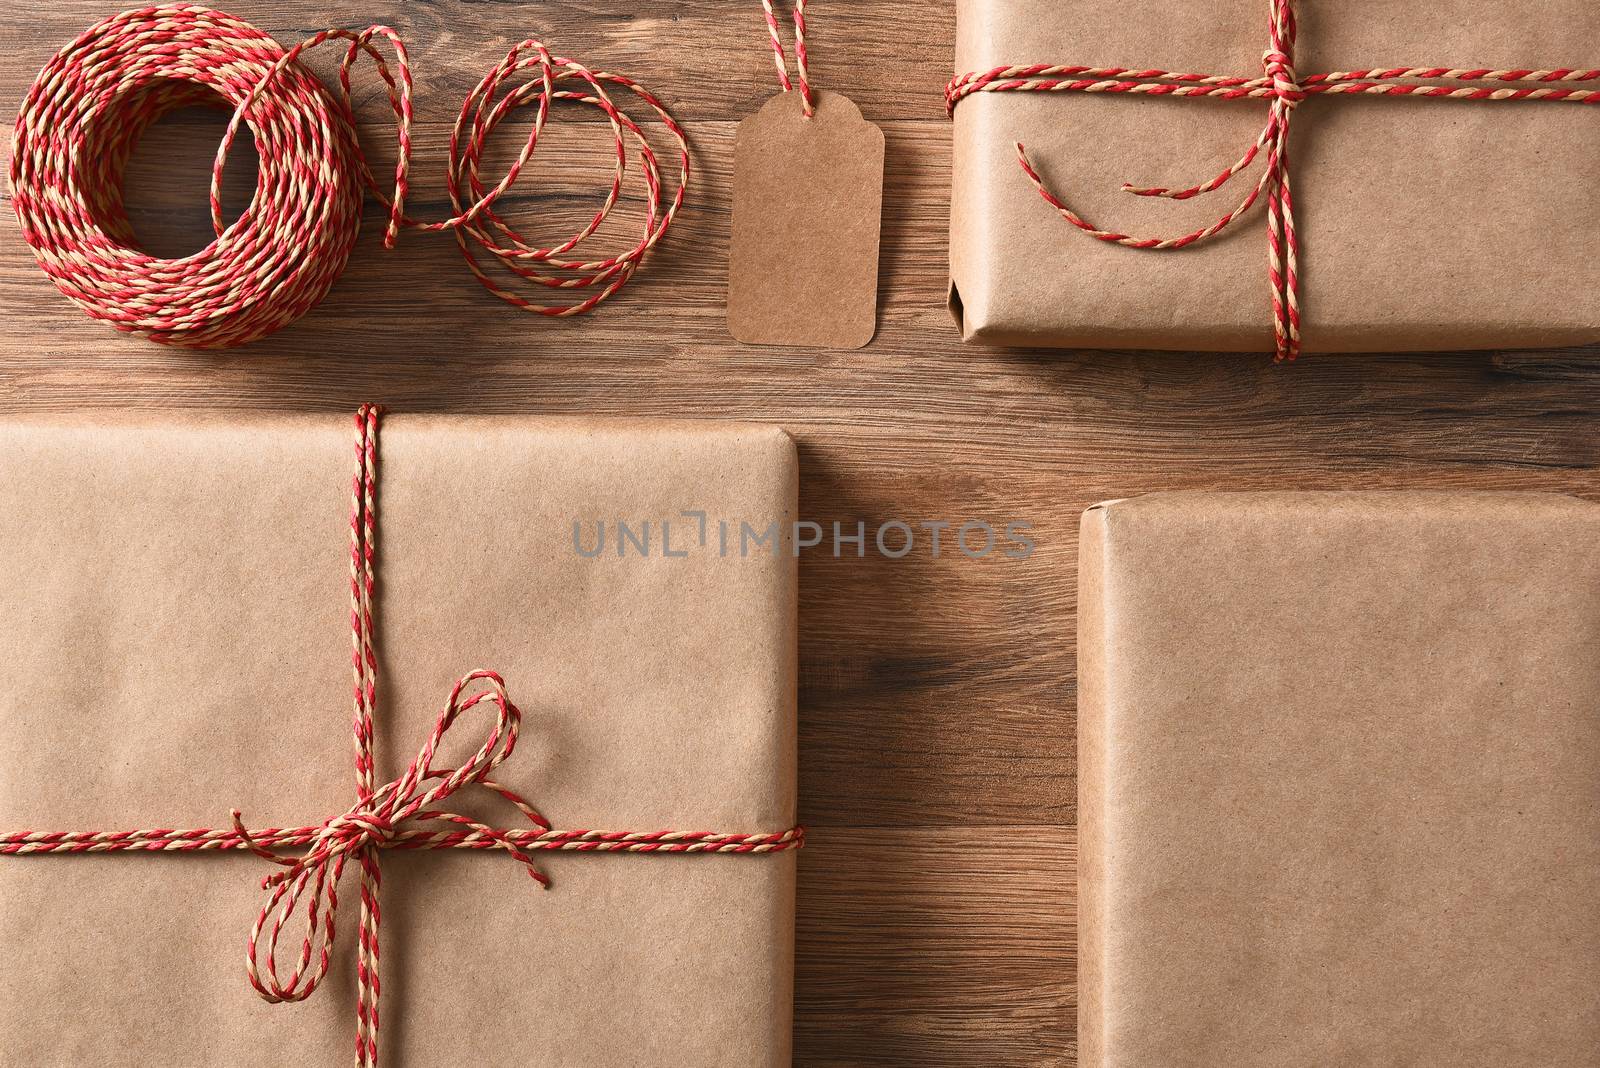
936 917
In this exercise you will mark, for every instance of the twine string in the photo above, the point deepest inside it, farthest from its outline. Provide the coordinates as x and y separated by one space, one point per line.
377 821
89 105
1284 91
408 812
802 64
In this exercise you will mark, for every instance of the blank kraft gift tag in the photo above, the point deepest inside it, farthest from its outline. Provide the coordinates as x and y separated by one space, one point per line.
807 213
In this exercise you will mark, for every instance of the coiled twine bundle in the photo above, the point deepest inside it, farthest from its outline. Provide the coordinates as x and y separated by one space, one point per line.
87 109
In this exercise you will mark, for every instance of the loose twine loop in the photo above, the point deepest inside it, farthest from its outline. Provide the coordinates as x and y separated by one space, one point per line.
401 814
1285 92
91 103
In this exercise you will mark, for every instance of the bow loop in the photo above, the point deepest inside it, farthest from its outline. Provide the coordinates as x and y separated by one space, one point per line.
409 797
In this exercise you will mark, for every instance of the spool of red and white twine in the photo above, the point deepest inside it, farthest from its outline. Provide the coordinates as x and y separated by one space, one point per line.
81 119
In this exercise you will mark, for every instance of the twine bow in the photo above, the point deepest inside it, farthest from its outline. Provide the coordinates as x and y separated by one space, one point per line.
374 823
395 815
1284 91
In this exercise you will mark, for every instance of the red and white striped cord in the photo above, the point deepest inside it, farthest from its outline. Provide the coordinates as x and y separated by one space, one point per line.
1285 92
91 103
802 76
394 815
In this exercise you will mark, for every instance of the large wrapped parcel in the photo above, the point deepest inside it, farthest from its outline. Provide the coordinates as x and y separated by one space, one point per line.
175 618
1340 781
1424 224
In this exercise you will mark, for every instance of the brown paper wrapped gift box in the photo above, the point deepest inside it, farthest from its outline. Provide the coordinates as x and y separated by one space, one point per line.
175 624
1425 225
1340 781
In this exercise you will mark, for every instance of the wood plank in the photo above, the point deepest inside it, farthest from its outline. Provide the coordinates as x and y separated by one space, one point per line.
707 59
937 946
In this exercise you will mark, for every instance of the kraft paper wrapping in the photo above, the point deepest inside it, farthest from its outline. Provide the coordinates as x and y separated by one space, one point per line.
1340 781
176 635
1425 224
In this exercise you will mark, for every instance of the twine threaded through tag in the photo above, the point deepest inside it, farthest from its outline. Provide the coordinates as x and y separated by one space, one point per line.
802 76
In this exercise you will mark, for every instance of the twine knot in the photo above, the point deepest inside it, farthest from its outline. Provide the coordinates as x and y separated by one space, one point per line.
1280 71
357 829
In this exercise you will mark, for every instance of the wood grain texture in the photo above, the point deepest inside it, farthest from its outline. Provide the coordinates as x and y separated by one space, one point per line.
937 769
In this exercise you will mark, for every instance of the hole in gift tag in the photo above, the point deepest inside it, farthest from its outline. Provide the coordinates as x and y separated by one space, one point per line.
807 216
